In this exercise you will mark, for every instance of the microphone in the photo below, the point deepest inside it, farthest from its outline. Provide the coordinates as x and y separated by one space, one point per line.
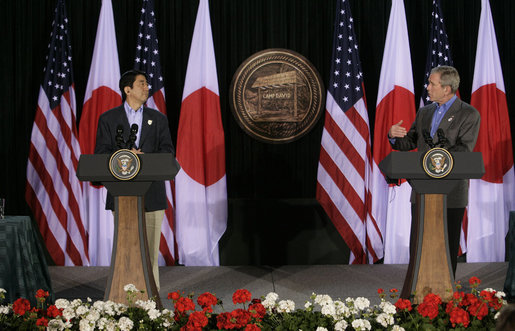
119 137
132 136
442 140
428 139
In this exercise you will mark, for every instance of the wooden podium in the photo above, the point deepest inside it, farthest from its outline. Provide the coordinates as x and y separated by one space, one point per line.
430 268
130 261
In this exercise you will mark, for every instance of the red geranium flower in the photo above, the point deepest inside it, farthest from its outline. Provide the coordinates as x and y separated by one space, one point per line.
223 321
241 296
197 320
428 309
53 311
478 309
240 317
21 306
380 291
257 311
474 281
252 327
459 316
433 298
174 296
403 304
42 322
184 304
40 294
206 300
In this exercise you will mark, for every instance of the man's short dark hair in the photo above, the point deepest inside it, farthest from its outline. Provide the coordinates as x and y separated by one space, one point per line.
448 77
128 78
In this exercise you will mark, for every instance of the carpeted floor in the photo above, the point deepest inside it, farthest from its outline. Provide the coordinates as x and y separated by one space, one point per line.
292 282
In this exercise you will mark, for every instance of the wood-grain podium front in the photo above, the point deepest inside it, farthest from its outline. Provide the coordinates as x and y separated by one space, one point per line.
130 261
430 269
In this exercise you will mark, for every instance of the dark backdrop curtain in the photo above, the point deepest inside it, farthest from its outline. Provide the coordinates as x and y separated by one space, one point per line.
271 188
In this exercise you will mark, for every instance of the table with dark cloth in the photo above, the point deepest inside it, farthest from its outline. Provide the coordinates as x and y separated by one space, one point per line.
23 268
509 284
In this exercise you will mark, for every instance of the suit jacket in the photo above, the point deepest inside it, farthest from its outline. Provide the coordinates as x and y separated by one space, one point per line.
460 126
155 138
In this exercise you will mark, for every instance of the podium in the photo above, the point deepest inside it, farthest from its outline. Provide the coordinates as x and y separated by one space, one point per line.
130 261
430 268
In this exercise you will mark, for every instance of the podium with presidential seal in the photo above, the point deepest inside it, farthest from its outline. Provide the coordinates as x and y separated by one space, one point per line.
127 176
433 175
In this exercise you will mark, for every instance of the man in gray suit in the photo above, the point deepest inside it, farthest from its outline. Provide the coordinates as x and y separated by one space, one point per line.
153 136
450 120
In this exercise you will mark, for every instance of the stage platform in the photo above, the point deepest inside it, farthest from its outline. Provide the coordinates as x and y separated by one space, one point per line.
292 282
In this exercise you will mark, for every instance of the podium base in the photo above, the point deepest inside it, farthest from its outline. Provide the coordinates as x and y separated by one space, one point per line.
430 269
130 261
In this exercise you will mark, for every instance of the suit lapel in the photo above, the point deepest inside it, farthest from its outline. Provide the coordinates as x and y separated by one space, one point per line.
450 115
428 118
145 126
124 121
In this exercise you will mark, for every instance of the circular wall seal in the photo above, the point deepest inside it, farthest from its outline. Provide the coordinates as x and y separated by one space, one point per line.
277 96
438 162
124 164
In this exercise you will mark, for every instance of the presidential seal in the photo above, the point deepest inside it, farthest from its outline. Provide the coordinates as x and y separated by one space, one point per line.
437 162
276 96
124 164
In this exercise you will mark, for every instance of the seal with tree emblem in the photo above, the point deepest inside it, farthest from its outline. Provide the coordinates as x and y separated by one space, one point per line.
277 96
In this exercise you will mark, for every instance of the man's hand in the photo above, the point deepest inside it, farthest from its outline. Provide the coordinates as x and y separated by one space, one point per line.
397 131
137 151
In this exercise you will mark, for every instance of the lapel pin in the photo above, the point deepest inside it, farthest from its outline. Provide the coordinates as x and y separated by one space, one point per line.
149 122
450 118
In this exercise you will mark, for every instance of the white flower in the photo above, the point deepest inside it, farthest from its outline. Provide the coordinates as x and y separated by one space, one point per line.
85 325
328 310
500 294
93 315
62 303
55 324
341 309
2 291
69 313
75 303
153 314
81 310
307 304
272 296
130 288
4 310
388 307
125 323
496 316
147 305
385 319
321 329
361 303
341 325
323 300
361 324
397 328
286 306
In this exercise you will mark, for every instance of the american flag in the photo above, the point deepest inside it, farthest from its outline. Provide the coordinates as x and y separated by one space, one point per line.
344 167
439 52
53 191
147 60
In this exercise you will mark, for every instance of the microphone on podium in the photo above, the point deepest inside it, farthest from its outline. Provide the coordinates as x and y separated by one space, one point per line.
119 137
132 136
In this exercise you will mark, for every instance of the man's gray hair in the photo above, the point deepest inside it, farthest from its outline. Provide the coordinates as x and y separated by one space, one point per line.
448 77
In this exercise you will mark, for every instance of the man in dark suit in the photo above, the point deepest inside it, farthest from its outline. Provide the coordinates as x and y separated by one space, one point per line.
153 136
459 123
